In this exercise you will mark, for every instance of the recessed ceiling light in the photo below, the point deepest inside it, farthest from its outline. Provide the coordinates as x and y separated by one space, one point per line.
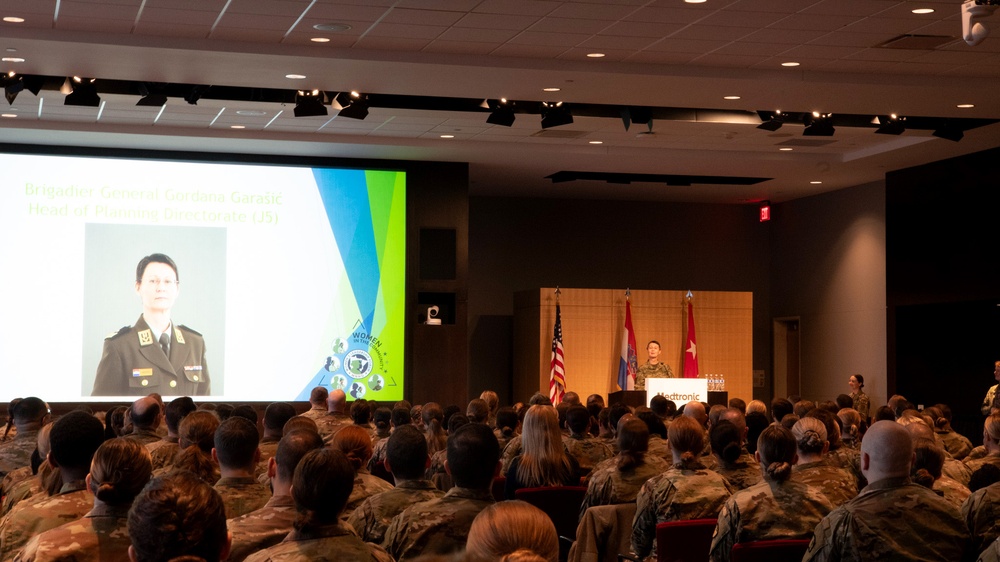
447 136
790 63
596 142
694 1
320 39
13 19
250 112
237 127
923 11
295 76
815 182
595 55
550 89
331 27
8 115
730 97
12 59
786 149
965 105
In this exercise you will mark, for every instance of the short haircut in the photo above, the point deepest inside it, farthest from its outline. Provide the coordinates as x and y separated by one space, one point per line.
739 404
147 417
277 414
177 409
653 422
539 398
456 421
473 453
293 446
401 417
780 407
361 412
31 409
447 413
844 401
247 412
756 422
658 404
406 453
578 419
615 413
321 485
299 422
154 258
224 411
235 442
382 418
177 514
74 439
318 395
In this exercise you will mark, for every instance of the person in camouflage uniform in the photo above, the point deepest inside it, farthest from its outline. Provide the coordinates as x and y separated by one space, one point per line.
321 485
25 482
406 458
356 444
276 415
270 524
74 439
317 403
991 444
687 490
29 416
587 450
892 518
619 479
120 469
146 416
652 368
164 450
400 418
731 457
812 469
839 455
777 508
336 416
237 454
440 526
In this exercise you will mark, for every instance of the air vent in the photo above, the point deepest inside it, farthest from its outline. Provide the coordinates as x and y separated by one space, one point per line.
806 143
559 134
917 42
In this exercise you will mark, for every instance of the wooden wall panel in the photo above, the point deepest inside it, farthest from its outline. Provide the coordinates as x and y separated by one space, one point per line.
593 322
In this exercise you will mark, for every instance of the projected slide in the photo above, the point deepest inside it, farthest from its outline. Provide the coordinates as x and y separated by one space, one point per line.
276 279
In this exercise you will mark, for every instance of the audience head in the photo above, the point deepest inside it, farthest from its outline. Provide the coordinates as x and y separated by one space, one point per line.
810 437
832 426
175 515
299 422
361 412
789 421
633 442
177 410
595 403
433 422
757 406
755 422
492 401
539 399
984 476
406 454
276 415
714 412
803 407
417 417
738 404
696 411
246 412
615 413
541 434
356 445
850 422
658 404
293 446
726 440
478 411
473 456
236 442
119 471
449 411
507 527
776 453
383 419
318 396
780 407
991 433
884 413
507 422
322 483
653 422
896 403
456 421
886 451
30 410
928 460
336 401
146 413
737 418
844 401
196 438
400 417
223 411
74 439
687 438
578 420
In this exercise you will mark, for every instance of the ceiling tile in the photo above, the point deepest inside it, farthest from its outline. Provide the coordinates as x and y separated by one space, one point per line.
26 8
224 33
696 46
477 35
391 43
850 39
460 47
741 19
661 57
497 21
642 29
783 36
445 5
94 25
610 55
213 6
174 30
815 22
729 61
159 16
889 27
549 39
565 25
595 11
666 15
292 8
855 8
422 17
125 10
517 7
256 21
610 42
331 13
530 51
710 32
752 49
402 31
824 52
883 55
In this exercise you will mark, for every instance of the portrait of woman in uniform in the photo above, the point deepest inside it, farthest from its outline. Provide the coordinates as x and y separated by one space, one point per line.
154 354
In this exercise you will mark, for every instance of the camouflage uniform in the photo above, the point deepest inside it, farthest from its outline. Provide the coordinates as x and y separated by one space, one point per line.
371 518
742 473
587 451
955 492
684 491
437 526
957 470
862 404
242 495
261 529
436 466
660 448
100 536
333 542
145 436
892 519
850 460
378 453
988 400
366 485
330 423
163 454
28 519
512 450
268 448
991 554
957 445
315 413
981 512
607 485
770 510
13 477
647 371
835 483
974 464
16 451
503 439
26 489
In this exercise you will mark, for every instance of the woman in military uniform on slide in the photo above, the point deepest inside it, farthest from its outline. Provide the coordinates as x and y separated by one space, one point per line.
154 355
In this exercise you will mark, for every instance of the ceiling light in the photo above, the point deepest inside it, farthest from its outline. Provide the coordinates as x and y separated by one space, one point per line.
151 98
251 112
320 40
596 142
819 125
331 27
555 115
595 55
195 94
550 89
730 97
640 115
309 104
12 59
949 132
786 149
12 85
447 136
923 11
13 19
965 105
295 76
771 120
790 63
694 1
357 105
503 113
237 127
8 115
891 125
816 182
84 93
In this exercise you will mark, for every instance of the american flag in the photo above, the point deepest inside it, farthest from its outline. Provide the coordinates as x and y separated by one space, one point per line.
557 370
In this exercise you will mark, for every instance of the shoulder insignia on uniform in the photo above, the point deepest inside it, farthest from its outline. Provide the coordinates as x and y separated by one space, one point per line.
114 335
146 337
183 327
179 335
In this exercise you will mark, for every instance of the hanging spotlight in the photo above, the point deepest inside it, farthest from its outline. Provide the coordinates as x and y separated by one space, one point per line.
84 93
195 94
891 125
555 114
771 120
819 125
357 107
949 132
12 85
640 115
503 113
309 104
149 98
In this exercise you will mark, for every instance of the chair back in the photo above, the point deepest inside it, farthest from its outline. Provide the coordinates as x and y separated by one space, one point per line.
499 484
782 550
684 541
561 504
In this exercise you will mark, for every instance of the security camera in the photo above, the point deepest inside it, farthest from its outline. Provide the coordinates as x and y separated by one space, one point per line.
974 31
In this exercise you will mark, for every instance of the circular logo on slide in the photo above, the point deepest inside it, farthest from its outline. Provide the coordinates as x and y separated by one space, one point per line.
358 363
332 363
339 345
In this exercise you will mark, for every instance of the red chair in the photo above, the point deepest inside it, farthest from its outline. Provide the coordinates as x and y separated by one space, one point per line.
684 541
499 483
562 505
782 550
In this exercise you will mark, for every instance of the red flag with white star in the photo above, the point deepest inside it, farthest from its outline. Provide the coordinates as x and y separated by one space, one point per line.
691 349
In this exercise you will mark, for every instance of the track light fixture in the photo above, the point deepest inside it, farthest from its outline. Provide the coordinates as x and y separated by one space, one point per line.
12 85
950 132
640 115
356 105
195 94
819 125
503 113
309 104
771 120
891 125
151 97
555 114
84 93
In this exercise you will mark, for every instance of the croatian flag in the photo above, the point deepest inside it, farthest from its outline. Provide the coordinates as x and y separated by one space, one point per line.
627 365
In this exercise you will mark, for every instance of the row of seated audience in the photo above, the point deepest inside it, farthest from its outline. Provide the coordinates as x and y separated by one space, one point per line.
345 482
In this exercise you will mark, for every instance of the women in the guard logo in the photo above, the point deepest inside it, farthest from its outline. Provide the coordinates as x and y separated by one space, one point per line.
358 364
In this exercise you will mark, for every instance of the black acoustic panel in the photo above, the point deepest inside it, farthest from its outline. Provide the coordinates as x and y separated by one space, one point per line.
437 253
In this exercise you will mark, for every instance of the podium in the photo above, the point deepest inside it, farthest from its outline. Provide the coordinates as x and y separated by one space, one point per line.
631 398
